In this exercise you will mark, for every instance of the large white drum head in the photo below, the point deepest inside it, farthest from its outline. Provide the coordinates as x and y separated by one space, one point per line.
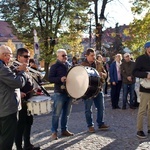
77 82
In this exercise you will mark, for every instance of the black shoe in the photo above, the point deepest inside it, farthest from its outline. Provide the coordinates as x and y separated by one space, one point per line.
124 107
140 134
148 131
31 147
117 107
19 148
113 107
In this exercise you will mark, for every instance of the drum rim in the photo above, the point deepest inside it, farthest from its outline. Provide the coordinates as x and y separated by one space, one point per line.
84 95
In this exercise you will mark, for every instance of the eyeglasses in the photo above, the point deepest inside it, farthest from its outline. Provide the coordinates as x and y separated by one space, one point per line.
64 55
25 56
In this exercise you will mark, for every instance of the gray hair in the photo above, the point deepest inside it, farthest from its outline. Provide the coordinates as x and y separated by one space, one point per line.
60 51
4 49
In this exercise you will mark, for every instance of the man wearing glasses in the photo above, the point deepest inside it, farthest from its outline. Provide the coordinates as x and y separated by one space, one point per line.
9 97
62 103
25 119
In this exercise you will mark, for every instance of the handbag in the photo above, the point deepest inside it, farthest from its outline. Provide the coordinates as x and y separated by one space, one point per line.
145 83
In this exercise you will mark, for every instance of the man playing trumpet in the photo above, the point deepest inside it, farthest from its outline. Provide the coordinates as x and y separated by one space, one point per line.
9 97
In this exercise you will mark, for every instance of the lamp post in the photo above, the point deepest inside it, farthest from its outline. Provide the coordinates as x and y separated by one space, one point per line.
90 15
102 20
77 19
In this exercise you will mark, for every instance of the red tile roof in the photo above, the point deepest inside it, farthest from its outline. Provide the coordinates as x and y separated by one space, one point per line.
6 32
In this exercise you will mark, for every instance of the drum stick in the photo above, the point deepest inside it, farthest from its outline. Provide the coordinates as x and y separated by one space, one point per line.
43 89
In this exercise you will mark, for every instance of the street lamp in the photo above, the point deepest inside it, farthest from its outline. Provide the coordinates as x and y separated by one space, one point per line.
77 19
102 20
90 15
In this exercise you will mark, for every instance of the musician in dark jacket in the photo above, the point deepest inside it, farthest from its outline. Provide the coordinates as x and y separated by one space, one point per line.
142 70
25 118
9 98
99 99
62 102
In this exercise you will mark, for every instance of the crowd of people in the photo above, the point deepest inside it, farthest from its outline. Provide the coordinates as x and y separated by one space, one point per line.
17 87
120 74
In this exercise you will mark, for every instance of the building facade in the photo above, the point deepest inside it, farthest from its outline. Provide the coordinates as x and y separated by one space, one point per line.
6 34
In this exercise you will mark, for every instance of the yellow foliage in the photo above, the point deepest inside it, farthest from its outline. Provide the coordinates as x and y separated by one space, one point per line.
30 48
11 45
113 34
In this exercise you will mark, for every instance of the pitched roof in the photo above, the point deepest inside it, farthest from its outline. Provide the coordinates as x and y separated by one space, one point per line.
6 32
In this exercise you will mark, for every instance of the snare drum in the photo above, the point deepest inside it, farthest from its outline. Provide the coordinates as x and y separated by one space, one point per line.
38 105
82 82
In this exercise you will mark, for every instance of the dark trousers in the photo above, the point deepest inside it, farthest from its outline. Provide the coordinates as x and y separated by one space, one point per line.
7 131
105 87
115 93
23 128
128 88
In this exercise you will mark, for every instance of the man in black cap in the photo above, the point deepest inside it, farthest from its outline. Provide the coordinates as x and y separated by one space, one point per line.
142 70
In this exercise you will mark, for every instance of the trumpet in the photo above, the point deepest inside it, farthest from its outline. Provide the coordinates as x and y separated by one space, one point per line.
31 70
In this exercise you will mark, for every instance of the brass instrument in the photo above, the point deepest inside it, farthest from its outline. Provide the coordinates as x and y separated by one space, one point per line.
34 74
31 70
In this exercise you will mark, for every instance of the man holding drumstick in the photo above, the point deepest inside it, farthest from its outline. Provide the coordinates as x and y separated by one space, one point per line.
25 118
62 102
99 99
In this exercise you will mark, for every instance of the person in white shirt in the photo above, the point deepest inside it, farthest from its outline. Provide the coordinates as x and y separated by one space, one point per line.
116 81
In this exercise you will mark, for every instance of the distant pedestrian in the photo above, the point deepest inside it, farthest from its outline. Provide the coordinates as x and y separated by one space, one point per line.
128 80
74 61
142 70
37 80
100 65
106 66
116 81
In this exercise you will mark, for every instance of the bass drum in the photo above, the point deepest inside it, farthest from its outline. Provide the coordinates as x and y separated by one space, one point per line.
82 82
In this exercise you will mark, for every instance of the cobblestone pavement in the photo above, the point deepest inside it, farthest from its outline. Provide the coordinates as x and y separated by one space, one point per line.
120 136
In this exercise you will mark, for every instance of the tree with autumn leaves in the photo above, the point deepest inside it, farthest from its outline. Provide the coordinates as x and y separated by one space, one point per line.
45 16
139 29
